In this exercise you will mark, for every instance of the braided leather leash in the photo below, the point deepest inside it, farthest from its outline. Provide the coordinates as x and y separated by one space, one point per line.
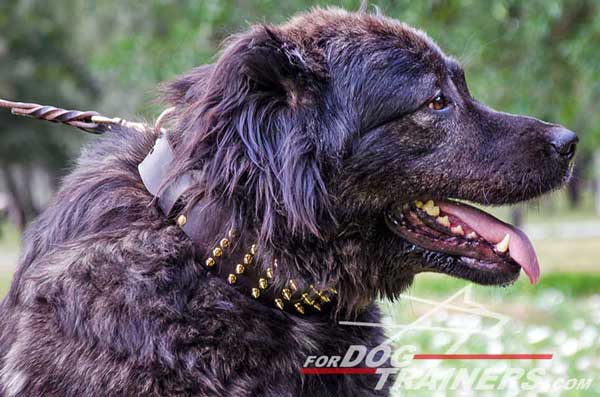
88 121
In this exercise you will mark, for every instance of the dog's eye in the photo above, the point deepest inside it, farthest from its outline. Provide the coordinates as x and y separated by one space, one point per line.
438 103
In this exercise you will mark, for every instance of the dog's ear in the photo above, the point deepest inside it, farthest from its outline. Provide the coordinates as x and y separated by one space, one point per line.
261 101
282 72
280 67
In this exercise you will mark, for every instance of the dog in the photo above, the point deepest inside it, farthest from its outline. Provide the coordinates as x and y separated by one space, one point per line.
316 166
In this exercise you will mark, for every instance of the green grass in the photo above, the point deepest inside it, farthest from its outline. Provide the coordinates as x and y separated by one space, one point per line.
10 238
552 209
561 315
550 323
9 246
5 279
571 284
572 255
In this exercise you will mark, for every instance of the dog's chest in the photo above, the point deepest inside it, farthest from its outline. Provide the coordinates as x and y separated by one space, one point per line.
262 352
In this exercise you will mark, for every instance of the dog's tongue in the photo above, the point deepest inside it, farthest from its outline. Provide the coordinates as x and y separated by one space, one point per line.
494 230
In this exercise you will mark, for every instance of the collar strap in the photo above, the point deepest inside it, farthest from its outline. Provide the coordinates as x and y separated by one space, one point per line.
241 272
153 171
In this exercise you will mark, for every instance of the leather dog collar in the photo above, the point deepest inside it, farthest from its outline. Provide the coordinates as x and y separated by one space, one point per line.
293 297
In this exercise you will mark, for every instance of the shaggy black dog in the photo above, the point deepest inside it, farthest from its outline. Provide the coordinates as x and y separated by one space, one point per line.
334 143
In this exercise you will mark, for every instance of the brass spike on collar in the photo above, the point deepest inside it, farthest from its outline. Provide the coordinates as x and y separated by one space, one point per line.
153 171
289 297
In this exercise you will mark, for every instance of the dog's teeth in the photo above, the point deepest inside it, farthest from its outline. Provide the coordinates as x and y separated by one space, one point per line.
502 246
434 211
405 207
431 208
458 230
472 236
443 220
419 204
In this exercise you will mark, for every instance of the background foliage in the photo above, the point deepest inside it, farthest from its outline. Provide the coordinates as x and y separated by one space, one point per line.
536 57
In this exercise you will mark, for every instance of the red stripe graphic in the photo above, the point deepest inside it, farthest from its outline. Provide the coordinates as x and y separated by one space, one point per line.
338 371
482 357
371 371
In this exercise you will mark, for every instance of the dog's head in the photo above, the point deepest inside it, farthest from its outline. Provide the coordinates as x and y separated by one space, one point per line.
342 127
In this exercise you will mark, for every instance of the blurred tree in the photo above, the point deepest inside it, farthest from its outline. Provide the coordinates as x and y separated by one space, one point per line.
534 57
537 57
38 62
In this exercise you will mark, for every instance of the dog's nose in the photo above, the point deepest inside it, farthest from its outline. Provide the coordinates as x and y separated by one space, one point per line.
564 141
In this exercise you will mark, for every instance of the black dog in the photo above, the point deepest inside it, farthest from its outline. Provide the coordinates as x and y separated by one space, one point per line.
333 143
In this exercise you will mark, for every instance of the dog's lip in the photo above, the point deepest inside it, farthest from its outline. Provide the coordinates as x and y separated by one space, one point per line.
417 227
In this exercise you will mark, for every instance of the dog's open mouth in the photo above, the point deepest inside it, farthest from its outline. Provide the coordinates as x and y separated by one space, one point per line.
487 250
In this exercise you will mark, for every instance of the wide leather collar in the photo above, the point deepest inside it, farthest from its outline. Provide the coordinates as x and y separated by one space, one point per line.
294 297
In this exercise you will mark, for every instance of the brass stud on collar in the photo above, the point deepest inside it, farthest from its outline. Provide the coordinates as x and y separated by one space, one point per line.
262 283
324 298
232 233
287 293
279 303
299 307
181 220
306 299
314 298
240 269
210 262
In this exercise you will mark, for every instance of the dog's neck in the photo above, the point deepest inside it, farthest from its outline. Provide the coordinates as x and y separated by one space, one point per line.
230 256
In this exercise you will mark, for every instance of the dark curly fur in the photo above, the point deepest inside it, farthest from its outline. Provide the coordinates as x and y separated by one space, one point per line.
300 136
